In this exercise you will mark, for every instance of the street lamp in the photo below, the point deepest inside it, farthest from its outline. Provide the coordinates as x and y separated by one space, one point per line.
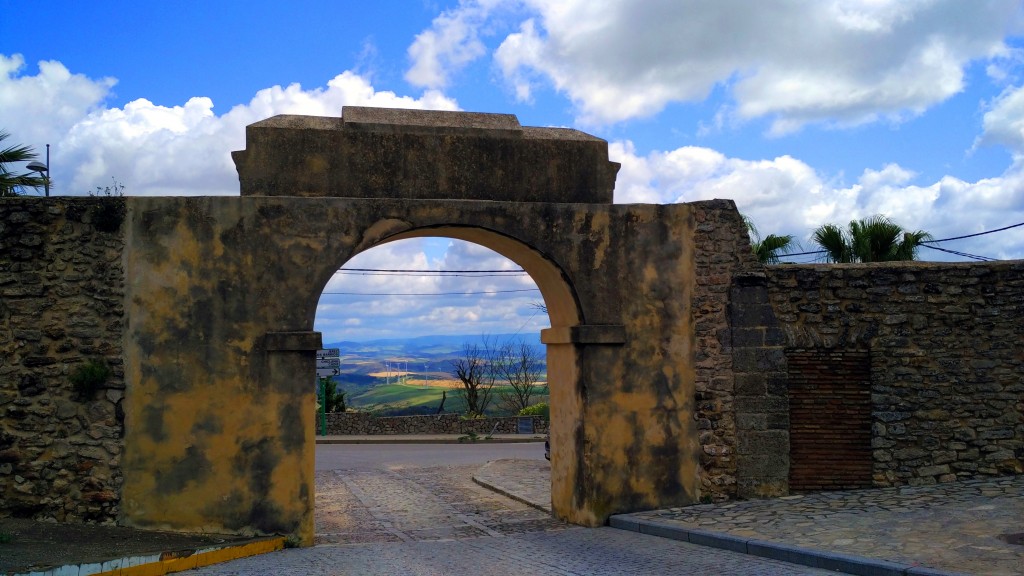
40 167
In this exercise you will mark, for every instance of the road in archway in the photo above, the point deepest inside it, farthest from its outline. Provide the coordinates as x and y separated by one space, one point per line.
413 509
375 456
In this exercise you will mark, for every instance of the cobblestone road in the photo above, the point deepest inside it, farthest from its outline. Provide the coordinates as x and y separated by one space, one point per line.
399 520
971 526
416 504
575 551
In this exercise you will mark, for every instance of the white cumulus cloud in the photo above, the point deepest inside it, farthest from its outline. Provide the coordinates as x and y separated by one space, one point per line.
382 305
160 150
786 196
843 62
1003 122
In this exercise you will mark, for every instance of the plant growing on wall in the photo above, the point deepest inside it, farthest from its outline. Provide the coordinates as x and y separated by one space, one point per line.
110 210
539 409
88 378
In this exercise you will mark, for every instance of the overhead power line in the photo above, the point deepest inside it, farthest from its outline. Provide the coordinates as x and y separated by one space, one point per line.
964 254
413 272
431 293
429 275
973 235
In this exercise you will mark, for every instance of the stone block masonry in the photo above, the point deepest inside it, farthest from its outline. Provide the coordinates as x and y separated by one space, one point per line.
61 304
946 359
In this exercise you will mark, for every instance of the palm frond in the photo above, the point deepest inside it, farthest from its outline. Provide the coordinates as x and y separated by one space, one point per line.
11 182
833 240
772 246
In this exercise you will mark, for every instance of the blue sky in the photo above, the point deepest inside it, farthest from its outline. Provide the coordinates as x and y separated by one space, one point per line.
802 111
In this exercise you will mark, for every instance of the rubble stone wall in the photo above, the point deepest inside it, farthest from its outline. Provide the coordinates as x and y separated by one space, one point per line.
61 306
361 423
946 359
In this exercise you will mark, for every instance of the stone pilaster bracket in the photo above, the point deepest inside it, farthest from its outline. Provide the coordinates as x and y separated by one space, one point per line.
292 341
591 334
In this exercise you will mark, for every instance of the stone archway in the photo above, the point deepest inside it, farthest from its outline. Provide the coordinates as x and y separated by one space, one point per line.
221 296
563 311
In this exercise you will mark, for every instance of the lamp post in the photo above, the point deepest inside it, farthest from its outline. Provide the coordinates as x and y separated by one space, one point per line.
41 168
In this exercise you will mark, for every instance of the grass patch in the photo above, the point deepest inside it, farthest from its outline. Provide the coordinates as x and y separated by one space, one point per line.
88 378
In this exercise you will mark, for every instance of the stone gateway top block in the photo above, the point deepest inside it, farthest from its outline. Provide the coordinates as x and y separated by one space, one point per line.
423 155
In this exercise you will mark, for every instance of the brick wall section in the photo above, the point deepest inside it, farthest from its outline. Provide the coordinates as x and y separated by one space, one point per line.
830 419
947 364
722 247
59 456
361 423
761 396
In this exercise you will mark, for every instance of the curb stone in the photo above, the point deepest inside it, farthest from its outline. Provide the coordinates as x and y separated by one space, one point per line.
509 493
167 562
848 563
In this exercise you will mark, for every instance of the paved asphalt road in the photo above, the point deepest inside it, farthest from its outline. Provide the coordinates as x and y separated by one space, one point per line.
414 509
375 456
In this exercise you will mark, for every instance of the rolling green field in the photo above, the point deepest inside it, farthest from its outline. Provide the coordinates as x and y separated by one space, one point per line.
392 398
408 376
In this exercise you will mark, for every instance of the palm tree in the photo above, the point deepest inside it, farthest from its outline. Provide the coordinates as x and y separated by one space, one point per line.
9 181
874 239
768 249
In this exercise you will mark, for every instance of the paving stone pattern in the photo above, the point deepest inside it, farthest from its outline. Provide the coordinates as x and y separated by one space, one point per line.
416 504
576 551
434 521
528 481
958 527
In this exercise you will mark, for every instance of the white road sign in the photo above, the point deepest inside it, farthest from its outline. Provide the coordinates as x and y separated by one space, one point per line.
328 353
327 372
328 362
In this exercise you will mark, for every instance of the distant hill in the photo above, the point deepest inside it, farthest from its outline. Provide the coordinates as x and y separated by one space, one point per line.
428 345
371 371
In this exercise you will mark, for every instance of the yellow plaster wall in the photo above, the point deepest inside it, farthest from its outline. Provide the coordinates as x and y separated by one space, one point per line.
219 431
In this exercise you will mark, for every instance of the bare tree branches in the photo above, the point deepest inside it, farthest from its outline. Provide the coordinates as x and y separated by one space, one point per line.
515 366
476 378
518 365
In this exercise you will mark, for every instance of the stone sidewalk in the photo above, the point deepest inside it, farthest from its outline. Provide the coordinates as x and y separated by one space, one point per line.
969 527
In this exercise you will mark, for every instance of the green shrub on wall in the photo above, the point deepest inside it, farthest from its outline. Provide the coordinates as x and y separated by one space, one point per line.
110 210
108 214
88 378
540 409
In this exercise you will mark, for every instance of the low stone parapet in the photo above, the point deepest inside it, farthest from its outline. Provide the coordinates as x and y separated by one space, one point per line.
363 424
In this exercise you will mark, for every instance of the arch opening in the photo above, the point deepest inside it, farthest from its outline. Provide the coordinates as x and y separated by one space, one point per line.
561 306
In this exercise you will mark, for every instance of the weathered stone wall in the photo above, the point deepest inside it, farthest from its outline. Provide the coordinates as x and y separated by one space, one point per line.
946 358
361 423
222 294
761 397
61 305
741 403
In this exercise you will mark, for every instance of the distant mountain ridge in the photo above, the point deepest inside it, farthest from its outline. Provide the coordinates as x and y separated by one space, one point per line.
435 344
401 376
